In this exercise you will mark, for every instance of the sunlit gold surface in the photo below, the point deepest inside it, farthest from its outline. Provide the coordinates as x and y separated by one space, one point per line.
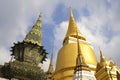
51 69
103 61
66 59
72 28
106 69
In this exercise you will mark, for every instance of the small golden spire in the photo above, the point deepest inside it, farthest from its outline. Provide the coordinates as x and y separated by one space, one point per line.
80 57
103 60
80 61
51 69
73 27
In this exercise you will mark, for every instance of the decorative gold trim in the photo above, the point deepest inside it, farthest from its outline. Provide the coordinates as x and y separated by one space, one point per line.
32 41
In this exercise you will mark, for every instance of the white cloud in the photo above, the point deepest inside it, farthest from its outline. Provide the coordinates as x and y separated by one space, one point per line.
60 31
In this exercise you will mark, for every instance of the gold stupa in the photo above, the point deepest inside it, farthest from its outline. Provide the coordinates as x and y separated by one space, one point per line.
66 59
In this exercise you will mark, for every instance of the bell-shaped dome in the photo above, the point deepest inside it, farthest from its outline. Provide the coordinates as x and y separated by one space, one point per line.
66 59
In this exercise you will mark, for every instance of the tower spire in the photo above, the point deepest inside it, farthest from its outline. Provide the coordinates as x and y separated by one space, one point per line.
102 59
80 61
73 27
51 69
35 34
81 67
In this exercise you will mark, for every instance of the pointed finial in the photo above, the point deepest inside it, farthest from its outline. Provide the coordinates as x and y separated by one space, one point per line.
52 51
40 16
80 56
51 69
51 61
38 22
35 34
71 13
101 55
80 61
103 60
72 28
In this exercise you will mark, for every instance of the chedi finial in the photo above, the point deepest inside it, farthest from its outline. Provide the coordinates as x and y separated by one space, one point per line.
35 34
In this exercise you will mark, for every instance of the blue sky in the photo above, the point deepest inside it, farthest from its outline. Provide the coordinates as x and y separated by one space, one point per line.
98 20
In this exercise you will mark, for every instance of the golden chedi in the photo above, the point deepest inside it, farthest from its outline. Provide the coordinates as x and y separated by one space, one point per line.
66 59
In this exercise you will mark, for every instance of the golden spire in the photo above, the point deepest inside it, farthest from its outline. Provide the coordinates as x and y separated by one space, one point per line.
80 61
103 60
80 58
73 27
35 34
51 69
